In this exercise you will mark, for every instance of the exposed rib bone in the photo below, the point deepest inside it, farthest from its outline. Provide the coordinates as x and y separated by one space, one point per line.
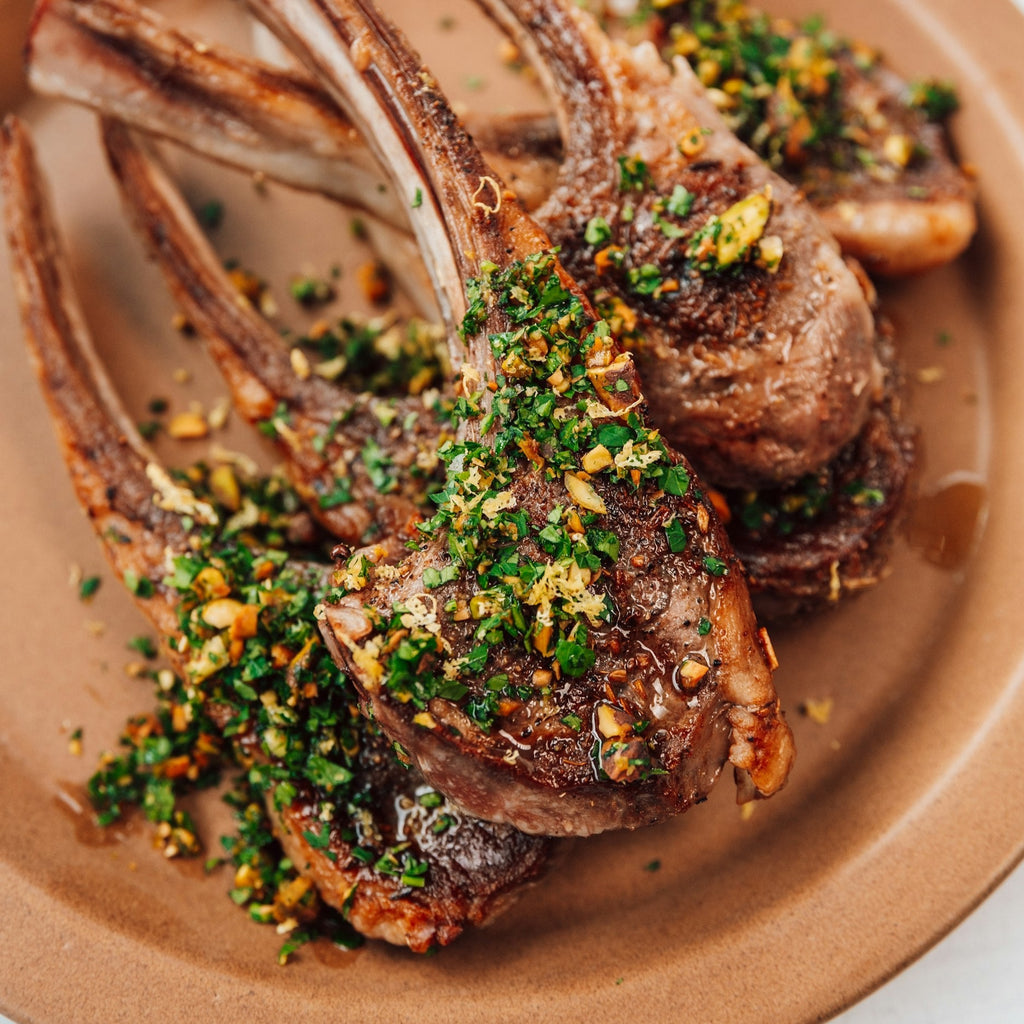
134 65
532 765
129 63
320 428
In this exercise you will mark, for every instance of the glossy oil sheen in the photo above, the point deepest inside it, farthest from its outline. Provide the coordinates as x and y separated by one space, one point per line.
903 809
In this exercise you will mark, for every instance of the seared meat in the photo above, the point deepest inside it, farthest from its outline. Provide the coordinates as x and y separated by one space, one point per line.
146 38
572 648
759 373
325 429
765 385
896 218
380 843
475 868
828 535
867 148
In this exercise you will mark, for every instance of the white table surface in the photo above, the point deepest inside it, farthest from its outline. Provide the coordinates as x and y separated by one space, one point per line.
973 976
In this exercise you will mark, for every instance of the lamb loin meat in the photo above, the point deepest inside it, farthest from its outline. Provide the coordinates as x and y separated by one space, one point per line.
867 147
368 867
754 339
907 206
572 647
380 844
828 535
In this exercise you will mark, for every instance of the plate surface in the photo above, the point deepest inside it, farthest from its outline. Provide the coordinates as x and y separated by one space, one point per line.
905 808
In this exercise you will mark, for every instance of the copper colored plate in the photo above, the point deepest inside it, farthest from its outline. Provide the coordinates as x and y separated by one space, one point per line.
906 807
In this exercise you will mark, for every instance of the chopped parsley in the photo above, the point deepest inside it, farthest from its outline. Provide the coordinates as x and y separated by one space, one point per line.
676 536
634 174
310 291
144 645
378 355
535 587
597 231
938 100
140 586
211 214
723 242
781 86
257 689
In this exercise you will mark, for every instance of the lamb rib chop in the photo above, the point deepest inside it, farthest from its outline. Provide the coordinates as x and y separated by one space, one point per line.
867 147
901 223
346 834
802 547
754 339
765 387
572 648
